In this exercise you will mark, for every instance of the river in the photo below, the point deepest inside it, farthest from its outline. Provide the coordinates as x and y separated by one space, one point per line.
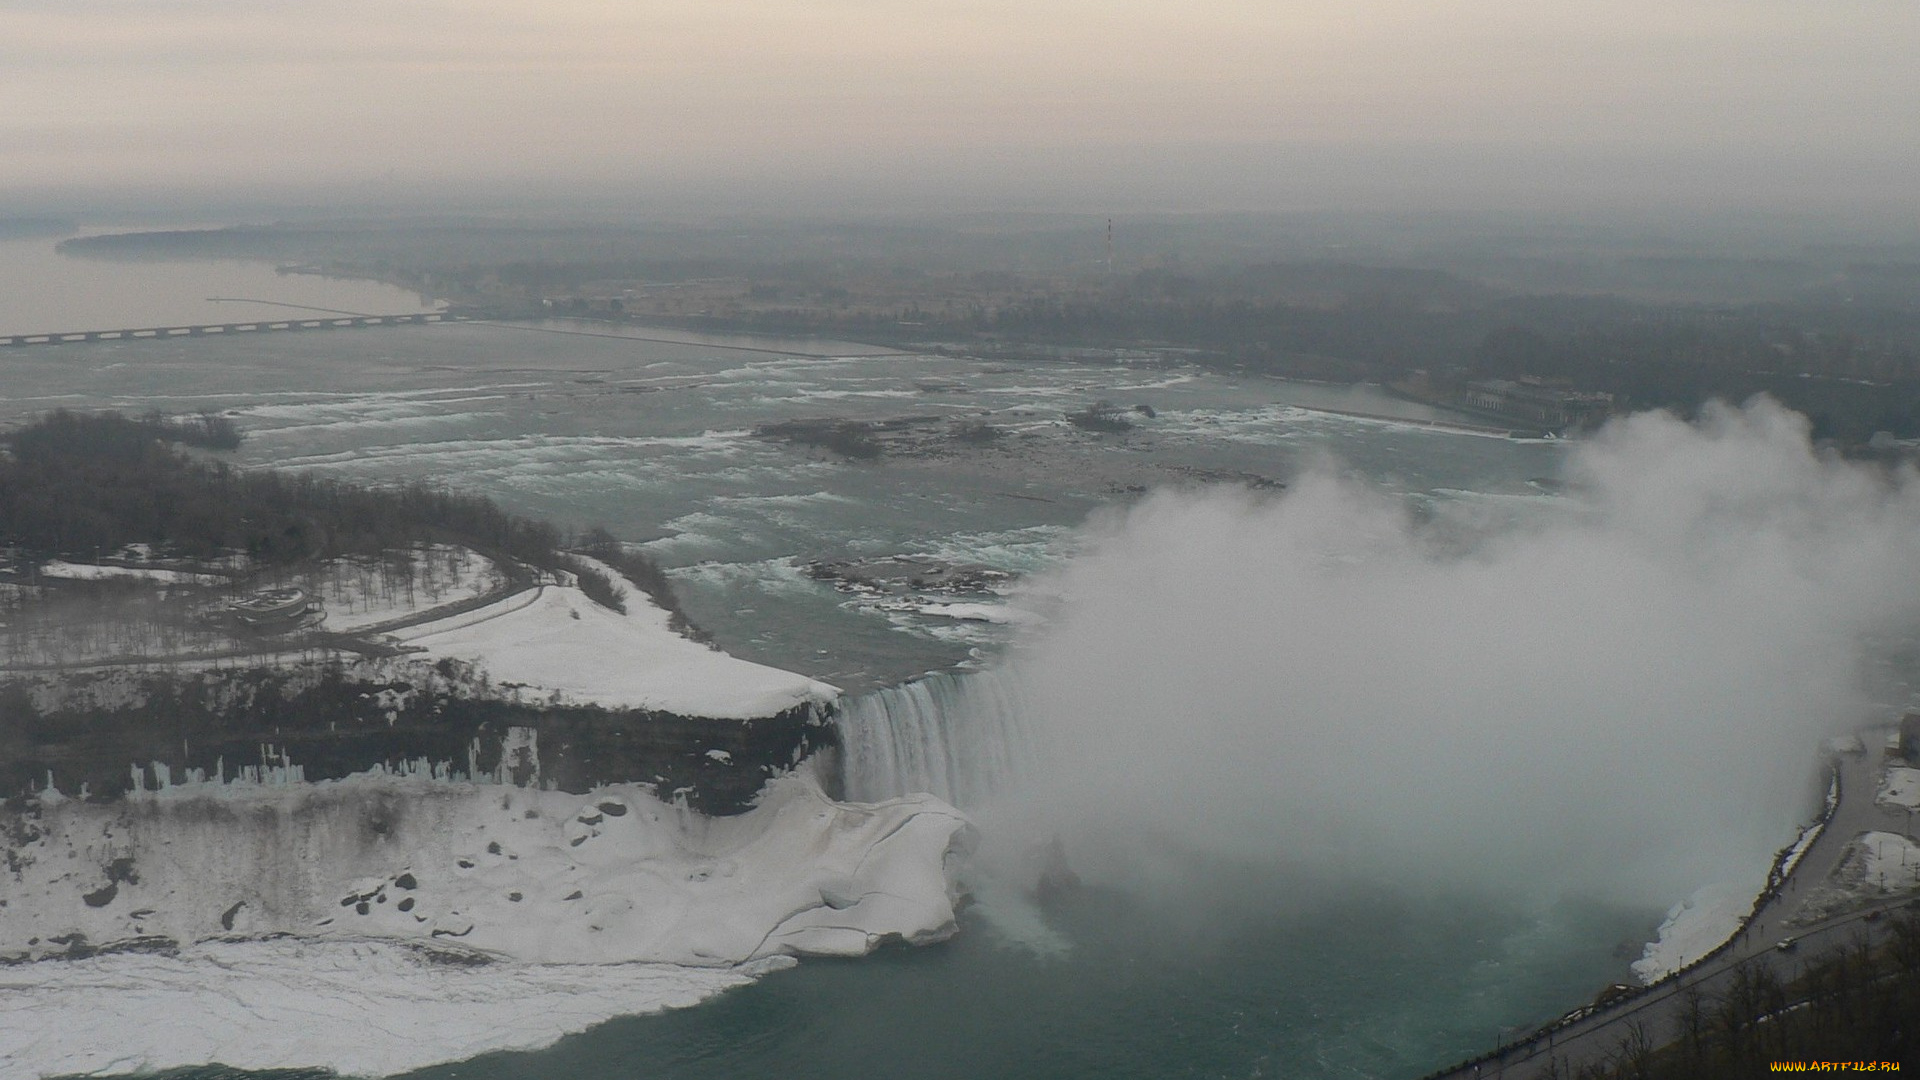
587 424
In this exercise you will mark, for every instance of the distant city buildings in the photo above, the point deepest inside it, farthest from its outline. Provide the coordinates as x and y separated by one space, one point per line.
1527 400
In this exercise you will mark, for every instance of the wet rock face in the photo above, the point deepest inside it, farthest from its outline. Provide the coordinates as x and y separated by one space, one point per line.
217 723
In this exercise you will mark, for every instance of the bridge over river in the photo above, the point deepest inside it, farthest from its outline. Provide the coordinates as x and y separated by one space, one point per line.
255 326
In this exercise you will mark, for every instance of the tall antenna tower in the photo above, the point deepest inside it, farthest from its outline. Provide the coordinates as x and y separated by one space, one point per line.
1109 246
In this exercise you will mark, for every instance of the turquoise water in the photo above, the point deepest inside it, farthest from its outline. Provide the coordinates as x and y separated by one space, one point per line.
1247 975
1343 986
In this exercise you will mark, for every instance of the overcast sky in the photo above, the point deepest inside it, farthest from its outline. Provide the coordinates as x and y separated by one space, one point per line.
1218 104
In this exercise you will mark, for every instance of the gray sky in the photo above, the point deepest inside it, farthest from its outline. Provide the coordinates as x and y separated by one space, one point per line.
1226 104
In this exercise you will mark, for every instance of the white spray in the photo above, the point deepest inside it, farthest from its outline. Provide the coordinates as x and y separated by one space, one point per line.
1621 694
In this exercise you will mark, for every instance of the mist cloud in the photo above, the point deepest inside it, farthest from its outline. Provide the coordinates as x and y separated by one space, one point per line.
1621 691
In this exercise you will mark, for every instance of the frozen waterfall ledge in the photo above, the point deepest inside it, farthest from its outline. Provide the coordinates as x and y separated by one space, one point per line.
557 911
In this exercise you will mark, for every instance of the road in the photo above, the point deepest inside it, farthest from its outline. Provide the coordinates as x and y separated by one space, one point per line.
1598 1038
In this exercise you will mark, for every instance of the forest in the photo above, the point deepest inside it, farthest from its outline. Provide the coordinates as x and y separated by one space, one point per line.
81 485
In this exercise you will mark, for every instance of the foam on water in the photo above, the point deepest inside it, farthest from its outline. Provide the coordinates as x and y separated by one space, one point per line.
469 456
793 499
1273 425
705 533
1015 919
779 576
396 425
1159 384
1020 550
974 635
304 404
813 367
835 395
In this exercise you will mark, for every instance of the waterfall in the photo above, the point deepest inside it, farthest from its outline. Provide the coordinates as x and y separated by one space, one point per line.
958 735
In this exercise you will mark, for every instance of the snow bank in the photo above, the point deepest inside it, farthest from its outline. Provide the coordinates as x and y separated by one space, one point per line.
59 568
1885 861
359 1008
583 907
1805 841
1695 927
555 640
544 876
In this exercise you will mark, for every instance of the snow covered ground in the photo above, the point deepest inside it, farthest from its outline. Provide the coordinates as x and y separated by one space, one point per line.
584 907
1884 861
359 593
312 924
362 1008
542 876
60 568
1695 927
1901 788
556 641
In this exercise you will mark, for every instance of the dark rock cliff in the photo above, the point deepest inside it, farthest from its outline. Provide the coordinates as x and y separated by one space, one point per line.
109 731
